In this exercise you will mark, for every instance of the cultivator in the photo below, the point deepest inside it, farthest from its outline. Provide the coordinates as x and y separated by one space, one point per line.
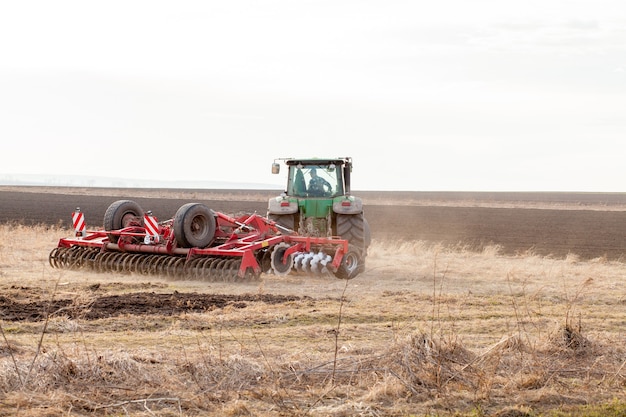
199 243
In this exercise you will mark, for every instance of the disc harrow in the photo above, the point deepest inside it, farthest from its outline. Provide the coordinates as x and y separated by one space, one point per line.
199 244
177 267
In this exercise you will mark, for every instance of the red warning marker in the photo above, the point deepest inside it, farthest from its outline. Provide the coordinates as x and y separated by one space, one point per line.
78 218
152 228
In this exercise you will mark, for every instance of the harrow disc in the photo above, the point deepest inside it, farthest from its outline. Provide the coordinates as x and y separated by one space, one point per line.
281 266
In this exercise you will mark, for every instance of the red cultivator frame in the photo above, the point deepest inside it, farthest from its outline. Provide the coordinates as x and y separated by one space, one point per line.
199 243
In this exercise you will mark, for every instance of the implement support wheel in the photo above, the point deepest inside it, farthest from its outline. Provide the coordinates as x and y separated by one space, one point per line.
194 226
121 214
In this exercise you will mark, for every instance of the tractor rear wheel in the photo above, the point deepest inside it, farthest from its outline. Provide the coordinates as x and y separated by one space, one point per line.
368 235
121 214
194 226
355 229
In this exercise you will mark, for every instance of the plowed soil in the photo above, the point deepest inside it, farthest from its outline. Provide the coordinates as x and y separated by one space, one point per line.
111 306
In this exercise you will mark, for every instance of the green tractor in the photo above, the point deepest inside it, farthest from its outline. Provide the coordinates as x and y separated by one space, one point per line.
318 203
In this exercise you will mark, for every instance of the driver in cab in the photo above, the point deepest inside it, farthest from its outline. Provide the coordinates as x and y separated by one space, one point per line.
317 185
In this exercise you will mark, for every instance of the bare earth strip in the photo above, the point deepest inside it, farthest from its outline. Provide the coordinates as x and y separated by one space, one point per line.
538 200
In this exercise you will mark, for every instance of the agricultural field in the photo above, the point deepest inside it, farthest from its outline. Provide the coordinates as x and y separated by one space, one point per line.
472 304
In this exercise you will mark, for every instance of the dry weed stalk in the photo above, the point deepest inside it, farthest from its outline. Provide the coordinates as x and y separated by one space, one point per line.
43 332
336 332
11 349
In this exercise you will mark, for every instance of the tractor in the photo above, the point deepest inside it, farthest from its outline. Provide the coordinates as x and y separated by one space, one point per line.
315 227
318 202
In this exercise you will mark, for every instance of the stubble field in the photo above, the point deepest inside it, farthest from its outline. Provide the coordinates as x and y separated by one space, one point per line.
471 304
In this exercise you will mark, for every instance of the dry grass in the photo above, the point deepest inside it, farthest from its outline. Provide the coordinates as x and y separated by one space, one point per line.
426 330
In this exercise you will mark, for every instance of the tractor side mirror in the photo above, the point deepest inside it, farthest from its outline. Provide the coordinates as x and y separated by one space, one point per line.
275 168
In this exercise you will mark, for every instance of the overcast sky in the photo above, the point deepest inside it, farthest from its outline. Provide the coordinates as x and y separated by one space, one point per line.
424 95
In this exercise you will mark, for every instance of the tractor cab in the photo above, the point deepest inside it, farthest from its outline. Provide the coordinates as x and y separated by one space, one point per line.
314 181
326 178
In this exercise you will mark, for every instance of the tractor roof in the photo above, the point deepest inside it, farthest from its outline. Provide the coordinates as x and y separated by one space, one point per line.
318 161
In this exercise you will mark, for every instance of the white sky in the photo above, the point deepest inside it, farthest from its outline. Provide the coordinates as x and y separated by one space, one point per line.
425 95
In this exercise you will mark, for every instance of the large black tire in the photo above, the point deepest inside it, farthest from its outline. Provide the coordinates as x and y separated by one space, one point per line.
286 221
368 235
121 214
194 226
355 229
351 265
